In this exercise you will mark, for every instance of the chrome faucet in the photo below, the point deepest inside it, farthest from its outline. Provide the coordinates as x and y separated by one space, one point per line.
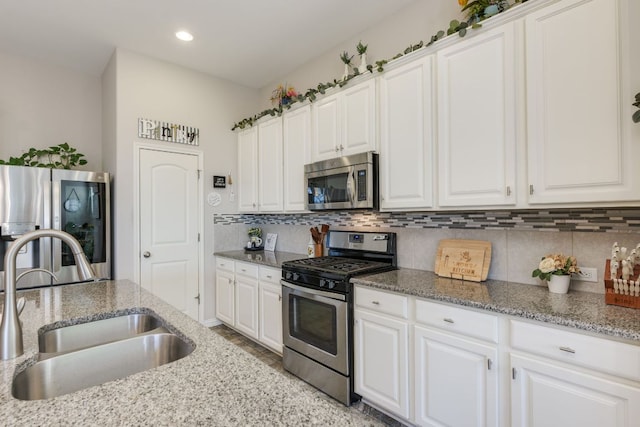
10 329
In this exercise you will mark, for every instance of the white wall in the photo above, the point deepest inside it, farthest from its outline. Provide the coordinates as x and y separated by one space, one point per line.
158 90
43 105
418 21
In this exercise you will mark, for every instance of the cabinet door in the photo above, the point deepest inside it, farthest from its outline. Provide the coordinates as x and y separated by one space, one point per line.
270 166
381 361
248 170
456 381
545 394
476 120
271 315
358 119
406 136
247 306
225 297
326 128
579 145
297 153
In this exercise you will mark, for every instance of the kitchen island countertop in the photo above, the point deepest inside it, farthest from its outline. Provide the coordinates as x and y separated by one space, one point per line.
218 384
586 311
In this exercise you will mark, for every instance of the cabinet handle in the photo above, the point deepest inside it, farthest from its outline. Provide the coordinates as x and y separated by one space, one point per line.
489 364
279 297
268 276
530 188
567 349
448 320
508 190
337 149
341 147
513 373
375 302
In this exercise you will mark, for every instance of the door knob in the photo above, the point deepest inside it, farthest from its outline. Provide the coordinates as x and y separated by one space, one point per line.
146 254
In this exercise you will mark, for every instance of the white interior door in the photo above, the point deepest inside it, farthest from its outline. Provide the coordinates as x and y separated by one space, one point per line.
169 228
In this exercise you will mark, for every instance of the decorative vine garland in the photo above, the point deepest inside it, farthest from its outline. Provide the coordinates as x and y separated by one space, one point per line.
311 94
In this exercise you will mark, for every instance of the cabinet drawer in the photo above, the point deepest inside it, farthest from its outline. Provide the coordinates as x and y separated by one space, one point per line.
246 269
382 302
225 264
601 354
466 322
270 275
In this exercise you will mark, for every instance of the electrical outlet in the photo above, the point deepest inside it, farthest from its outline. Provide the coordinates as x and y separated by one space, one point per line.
587 274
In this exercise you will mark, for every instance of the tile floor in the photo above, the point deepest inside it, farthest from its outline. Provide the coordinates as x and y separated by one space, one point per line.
275 361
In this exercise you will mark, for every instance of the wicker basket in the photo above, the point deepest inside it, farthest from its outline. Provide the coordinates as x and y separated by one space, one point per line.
620 298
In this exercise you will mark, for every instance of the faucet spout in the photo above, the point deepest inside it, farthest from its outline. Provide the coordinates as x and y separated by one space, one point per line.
11 344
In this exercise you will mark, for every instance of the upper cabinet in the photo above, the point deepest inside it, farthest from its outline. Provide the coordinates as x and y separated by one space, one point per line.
579 142
260 168
344 123
407 136
477 120
297 153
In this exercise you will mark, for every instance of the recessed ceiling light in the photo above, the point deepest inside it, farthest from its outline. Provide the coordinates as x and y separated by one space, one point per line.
184 36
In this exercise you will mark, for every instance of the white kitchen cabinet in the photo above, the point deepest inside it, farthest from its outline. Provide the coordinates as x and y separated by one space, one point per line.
344 123
225 291
296 154
246 299
270 308
545 394
260 170
270 166
381 350
580 147
247 183
477 120
407 135
560 377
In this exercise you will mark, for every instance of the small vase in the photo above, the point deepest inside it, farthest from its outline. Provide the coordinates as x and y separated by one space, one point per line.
346 72
559 284
491 10
363 63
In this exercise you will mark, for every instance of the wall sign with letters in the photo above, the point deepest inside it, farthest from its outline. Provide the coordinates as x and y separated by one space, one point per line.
169 132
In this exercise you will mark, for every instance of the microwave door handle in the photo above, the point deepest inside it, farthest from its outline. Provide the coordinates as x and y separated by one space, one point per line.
351 192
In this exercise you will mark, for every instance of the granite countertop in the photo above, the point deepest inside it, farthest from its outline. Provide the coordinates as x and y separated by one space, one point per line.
586 311
268 258
218 384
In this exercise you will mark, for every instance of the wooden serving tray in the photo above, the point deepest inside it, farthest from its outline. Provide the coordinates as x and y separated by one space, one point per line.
463 259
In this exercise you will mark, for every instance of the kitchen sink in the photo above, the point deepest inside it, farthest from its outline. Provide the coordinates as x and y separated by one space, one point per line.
55 375
89 334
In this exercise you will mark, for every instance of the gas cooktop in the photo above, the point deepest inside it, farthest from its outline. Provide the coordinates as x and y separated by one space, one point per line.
336 265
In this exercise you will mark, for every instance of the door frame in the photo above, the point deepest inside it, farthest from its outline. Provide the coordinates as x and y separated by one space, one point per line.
137 148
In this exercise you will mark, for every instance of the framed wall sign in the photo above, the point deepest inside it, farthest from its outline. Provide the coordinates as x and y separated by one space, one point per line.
219 181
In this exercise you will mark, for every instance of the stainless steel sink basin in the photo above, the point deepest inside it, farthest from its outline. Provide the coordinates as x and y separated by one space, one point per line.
68 372
70 338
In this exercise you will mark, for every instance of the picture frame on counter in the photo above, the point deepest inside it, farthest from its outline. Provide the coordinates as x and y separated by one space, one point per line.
270 242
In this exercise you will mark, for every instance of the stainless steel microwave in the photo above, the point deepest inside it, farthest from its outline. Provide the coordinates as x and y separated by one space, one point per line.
349 182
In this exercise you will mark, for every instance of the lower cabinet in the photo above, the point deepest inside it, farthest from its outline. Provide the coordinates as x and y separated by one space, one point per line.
456 380
248 299
544 394
381 343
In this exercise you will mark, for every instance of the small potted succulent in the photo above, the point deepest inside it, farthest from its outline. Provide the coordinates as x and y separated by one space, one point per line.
346 59
556 270
362 51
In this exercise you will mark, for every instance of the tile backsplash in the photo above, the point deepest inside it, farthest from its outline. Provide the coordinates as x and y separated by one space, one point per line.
519 238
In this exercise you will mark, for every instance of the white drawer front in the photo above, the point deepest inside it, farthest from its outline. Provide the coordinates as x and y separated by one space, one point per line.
225 264
382 302
246 269
459 320
271 275
601 354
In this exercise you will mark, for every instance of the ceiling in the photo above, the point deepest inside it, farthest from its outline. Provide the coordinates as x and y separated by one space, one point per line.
249 42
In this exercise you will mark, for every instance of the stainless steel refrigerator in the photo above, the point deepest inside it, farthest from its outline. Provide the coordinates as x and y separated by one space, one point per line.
77 202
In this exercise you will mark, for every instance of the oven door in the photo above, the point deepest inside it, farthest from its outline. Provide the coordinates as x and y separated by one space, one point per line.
315 324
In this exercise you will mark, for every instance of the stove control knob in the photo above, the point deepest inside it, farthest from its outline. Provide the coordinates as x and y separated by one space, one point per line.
322 283
296 276
287 275
332 284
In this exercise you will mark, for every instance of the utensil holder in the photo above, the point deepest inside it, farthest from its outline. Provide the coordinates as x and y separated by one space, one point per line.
318 250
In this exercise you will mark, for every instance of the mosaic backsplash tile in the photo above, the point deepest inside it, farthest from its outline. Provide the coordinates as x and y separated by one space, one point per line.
621 220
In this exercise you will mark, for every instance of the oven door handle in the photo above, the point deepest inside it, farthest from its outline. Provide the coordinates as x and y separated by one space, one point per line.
332 295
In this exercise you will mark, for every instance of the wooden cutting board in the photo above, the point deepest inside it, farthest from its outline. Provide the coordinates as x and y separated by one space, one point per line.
463 259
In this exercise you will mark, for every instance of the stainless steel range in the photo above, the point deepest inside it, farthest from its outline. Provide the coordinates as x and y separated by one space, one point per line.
317 309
